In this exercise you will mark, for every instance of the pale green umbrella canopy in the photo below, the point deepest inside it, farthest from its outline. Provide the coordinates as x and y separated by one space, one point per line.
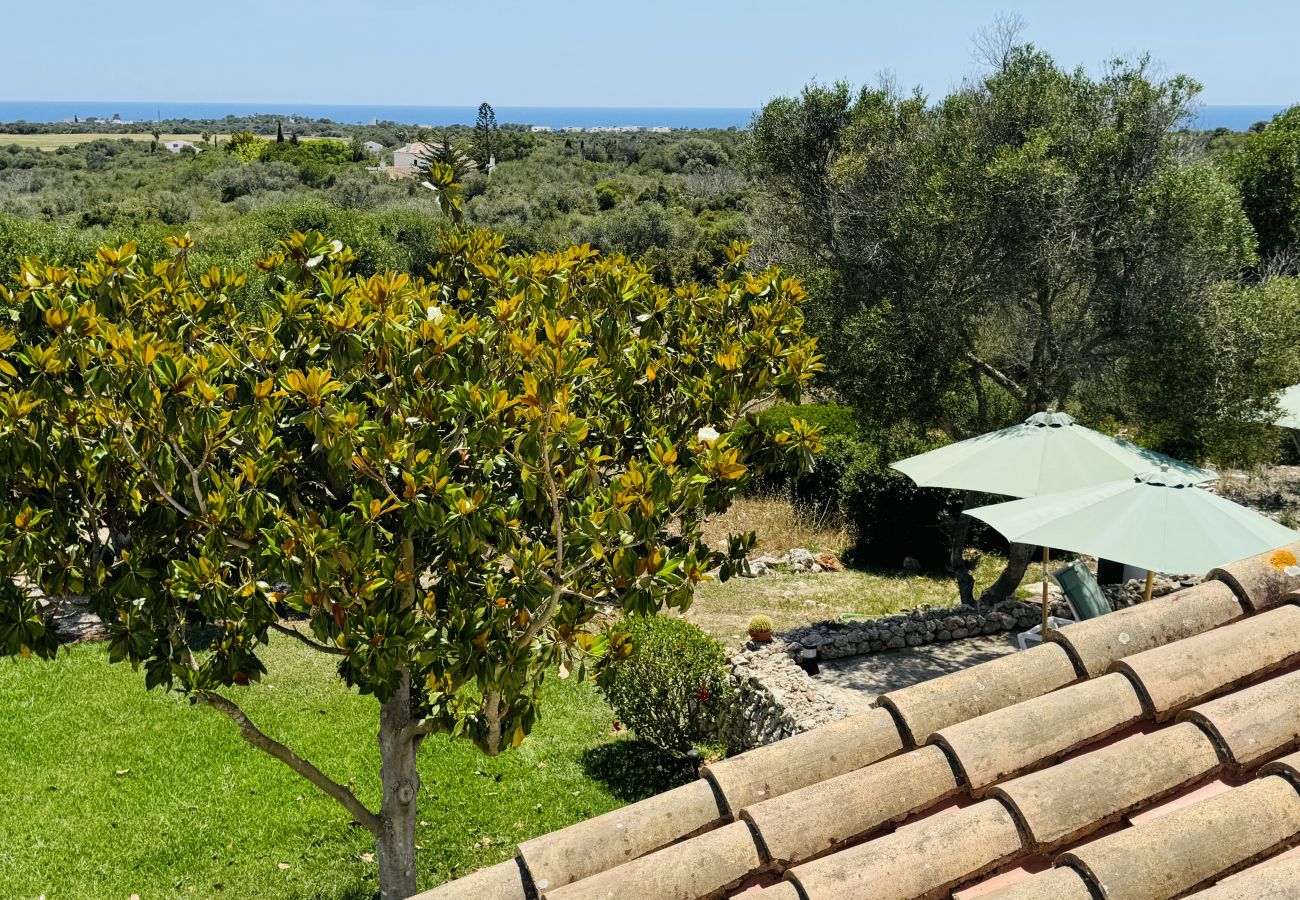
1046 453
1289 404
1161 521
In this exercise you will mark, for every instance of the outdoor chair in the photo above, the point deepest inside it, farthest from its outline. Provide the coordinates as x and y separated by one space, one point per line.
1082 594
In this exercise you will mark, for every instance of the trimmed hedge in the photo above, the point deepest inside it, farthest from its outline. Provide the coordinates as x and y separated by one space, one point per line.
672 690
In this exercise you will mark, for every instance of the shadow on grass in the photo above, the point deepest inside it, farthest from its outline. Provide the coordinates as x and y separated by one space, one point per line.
355 892
634 769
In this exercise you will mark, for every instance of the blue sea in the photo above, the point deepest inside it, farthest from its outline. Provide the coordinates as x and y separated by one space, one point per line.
1237 118
554 117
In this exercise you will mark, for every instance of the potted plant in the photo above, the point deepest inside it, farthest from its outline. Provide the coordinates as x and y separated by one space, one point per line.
760 629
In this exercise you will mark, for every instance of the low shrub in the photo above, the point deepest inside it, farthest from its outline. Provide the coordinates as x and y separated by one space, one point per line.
672 688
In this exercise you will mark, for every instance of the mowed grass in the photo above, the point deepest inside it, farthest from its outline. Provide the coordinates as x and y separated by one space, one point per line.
723 610
109 790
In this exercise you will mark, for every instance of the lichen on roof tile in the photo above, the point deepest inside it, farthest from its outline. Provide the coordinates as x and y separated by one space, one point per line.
1082 794
804 759
1260 581
1097 643
1179 675
1191 847
931 705
1254 723
1029 734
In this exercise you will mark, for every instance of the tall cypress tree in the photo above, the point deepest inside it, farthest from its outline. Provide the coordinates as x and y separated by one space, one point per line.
279 132
484 127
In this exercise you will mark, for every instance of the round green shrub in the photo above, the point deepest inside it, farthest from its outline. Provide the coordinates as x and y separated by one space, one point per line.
672 689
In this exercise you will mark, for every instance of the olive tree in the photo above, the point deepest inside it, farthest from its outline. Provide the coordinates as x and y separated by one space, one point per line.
1267 171
1020 244
437 482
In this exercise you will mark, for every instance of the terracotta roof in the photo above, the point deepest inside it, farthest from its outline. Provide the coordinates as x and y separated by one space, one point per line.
1129 760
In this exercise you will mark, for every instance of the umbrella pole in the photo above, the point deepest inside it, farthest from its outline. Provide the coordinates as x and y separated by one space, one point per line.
1150 583
1046 607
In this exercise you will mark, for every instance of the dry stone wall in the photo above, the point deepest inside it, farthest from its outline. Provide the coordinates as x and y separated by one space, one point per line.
776 698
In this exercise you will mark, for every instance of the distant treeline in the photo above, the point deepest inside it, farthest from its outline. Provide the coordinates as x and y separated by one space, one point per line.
262 124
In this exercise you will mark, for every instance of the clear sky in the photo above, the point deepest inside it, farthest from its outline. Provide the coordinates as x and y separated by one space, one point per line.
557 53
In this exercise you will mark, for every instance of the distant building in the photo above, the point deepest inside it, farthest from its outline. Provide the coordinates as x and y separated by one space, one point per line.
178 146
541 128
373 147
408 156
411 159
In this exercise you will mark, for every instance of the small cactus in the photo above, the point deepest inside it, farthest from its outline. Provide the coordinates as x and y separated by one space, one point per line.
759 624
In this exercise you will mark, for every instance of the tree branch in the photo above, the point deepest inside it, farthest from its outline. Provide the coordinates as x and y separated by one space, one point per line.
492 712
315 645
1001 379
545 614
176 504
418 729
194 475
272 747
157 483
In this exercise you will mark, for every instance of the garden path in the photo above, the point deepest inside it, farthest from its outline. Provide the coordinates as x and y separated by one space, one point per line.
856 681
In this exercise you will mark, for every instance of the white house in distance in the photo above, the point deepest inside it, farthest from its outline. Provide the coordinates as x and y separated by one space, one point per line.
408 155
373 147
179 146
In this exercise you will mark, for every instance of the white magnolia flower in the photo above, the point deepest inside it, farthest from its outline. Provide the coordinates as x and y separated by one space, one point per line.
707 434
434 314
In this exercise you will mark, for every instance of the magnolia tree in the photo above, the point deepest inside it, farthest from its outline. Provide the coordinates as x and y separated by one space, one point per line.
438 483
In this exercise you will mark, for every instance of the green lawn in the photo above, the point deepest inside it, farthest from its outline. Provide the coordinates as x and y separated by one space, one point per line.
111 791
723 610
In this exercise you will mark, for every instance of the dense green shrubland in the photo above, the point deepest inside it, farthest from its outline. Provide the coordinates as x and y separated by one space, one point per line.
675 199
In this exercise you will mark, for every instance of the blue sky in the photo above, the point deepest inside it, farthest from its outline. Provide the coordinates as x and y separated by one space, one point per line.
656 53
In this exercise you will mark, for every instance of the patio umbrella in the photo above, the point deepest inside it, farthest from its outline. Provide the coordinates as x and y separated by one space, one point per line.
1160 520
1289 404
1046 453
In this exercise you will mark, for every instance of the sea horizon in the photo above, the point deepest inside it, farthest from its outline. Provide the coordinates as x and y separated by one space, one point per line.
1237 117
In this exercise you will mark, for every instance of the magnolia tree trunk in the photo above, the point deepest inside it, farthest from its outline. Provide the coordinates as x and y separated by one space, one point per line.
1019 556
395 845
